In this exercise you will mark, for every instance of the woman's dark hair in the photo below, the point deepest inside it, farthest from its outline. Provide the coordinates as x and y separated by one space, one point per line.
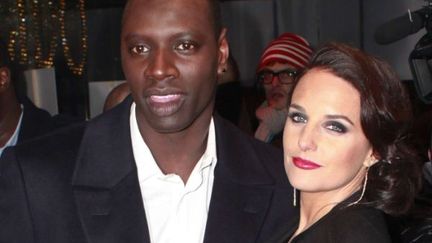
386 117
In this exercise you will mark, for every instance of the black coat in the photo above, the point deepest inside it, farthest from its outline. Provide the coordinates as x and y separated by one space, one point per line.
343 224
35 122
81 185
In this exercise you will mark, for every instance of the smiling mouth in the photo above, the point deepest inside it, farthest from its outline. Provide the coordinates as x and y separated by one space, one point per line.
165 105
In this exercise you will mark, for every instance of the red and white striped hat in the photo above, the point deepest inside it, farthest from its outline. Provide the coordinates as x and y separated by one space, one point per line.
287 48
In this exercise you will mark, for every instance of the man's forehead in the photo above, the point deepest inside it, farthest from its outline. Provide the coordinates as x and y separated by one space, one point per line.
140 14
195 4
195 7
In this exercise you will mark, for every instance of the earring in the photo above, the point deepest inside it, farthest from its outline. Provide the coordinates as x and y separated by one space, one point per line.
363 189
294 197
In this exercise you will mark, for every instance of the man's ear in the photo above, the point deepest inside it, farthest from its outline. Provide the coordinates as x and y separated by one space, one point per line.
4 78
223 51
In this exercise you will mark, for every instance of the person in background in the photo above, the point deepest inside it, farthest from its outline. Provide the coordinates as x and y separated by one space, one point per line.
20 119
282 60
427 170
159 167
347 148
229 98
116 96
416 227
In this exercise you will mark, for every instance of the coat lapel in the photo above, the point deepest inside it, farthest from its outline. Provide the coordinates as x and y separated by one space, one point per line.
105 181
240 200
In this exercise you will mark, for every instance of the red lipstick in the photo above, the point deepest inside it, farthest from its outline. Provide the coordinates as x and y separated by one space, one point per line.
304 164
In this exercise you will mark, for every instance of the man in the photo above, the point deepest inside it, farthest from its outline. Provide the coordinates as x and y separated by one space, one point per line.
158 167
281 61
229 97
116 96
20 119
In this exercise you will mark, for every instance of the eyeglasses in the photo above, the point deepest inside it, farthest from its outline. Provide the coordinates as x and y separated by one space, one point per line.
285 76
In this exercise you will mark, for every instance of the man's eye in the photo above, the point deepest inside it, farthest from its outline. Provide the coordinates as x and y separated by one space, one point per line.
185 46
297 117
140 49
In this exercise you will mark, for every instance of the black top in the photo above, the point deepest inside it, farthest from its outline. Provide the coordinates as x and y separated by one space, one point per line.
37 122
344 224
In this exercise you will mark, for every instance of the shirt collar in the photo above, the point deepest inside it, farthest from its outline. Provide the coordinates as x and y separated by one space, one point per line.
13 140
146 164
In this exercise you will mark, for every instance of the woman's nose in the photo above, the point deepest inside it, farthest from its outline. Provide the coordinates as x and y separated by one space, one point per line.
307 139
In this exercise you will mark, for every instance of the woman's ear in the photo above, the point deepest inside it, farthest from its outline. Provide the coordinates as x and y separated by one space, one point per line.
370 160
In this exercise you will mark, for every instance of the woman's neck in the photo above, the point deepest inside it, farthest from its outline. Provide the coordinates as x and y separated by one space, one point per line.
314 206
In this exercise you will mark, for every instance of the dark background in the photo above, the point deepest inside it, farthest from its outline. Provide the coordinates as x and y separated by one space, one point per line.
251 25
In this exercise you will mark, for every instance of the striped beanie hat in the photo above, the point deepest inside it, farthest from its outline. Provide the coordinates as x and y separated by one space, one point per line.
288 48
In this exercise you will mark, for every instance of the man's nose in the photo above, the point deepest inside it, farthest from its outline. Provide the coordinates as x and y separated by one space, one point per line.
161 66
275 80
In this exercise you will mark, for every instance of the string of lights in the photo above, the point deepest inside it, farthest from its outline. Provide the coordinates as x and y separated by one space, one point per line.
75 67
37 31
27 37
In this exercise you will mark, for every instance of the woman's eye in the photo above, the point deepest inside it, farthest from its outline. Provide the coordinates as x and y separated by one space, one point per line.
140 49
336 127
185 46
297 117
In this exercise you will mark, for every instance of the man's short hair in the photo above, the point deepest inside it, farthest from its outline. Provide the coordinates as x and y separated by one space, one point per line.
215 11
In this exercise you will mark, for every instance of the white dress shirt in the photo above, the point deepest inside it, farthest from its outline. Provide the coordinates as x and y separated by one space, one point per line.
175 212
14 138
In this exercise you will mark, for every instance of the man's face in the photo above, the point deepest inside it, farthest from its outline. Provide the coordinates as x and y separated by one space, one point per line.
276 92
5 81
171 58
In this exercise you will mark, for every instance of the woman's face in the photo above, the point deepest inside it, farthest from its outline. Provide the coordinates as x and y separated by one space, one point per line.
324 144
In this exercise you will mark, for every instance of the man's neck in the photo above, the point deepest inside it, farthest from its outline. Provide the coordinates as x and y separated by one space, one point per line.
10 113
179 152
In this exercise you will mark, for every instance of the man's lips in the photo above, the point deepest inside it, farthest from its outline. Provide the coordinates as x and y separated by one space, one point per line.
304 164
165 104
277 94
164 98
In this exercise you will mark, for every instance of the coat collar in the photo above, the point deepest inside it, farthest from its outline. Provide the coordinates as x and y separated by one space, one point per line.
107 191
243 190
106 141
105 181
236 155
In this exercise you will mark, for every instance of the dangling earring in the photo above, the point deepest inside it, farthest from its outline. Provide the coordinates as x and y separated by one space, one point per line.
363 189
294 197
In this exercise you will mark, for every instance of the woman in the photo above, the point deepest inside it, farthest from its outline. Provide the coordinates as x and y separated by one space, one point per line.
346 148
